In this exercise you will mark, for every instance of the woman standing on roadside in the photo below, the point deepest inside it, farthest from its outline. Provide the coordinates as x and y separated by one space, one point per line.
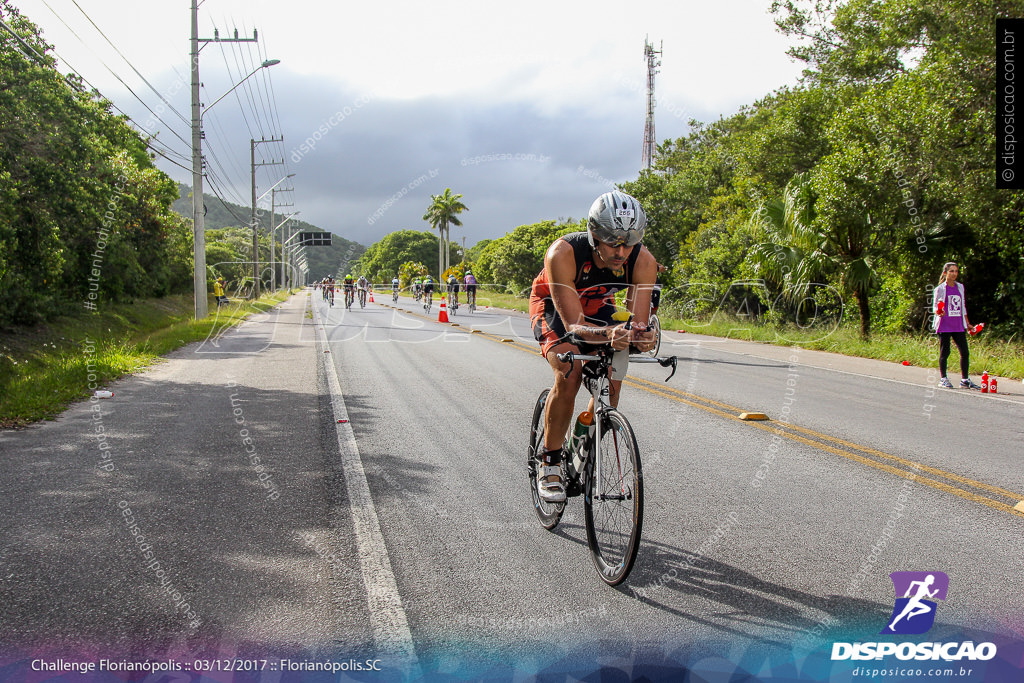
951 323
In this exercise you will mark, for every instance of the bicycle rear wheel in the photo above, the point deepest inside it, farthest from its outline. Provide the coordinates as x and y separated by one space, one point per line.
548 513
614 506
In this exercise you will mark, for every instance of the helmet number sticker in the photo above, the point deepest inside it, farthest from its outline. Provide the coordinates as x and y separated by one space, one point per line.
623 213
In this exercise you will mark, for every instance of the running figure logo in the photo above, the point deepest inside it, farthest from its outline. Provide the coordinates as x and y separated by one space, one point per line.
914 612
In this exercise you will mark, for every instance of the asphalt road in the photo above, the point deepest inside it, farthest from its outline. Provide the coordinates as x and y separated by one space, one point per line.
406 531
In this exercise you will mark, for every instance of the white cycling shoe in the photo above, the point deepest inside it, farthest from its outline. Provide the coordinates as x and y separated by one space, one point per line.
550 491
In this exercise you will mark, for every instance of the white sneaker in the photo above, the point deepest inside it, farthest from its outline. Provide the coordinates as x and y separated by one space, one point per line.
550 490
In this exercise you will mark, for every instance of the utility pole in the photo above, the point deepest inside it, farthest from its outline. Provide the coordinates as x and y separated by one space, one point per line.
273 231
198 208
255 224
652 68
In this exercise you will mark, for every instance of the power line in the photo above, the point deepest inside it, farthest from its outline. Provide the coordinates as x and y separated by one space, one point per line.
232 77
114 74
213 185
158 94
42 61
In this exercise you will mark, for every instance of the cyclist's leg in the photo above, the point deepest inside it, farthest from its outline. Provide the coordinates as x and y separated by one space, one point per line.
562 398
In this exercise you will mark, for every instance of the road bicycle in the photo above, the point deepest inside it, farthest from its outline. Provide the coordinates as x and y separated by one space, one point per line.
349 297
362 298
604 467
329 295
394 296
471 299
428 300
453 301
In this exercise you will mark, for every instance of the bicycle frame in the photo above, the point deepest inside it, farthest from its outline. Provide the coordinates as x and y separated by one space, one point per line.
595 370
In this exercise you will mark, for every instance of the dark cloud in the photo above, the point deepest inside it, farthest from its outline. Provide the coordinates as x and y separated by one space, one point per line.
366 166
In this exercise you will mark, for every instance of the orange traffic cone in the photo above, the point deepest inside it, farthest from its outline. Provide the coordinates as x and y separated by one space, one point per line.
442 313
371 296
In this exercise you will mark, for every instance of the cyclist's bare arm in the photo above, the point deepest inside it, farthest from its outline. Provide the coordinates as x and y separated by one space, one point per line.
638 299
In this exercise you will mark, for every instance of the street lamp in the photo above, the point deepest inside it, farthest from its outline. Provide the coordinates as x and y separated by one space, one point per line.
273 228
198 209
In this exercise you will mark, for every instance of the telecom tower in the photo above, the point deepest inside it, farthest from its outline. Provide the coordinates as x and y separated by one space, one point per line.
650 54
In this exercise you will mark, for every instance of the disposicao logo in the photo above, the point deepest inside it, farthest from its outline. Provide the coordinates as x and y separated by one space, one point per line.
916 592
913 613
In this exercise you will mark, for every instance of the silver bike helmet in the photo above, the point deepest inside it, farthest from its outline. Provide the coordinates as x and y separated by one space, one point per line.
616 219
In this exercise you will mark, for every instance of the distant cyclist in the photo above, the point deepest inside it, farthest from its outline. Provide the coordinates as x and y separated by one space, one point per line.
362 285
417 288
328 285
394 288
349 285
470 289
428 292
453 291
573 298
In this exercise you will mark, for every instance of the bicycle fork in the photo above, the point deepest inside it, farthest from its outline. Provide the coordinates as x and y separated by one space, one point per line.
601 409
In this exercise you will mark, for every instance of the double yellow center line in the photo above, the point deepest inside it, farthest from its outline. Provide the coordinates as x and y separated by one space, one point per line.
975 491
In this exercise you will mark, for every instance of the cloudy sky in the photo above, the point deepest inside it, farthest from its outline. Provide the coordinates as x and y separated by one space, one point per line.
528 109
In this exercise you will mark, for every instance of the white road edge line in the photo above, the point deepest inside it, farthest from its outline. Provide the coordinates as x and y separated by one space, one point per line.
387 616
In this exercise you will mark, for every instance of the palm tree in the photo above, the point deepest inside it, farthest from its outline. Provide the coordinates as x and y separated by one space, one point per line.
801 250
442 213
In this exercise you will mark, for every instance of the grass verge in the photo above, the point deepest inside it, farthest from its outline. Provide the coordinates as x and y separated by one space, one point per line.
45 368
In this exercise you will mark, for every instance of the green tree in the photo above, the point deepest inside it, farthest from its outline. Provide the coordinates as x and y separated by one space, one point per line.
442 213
382 259
515 259
409 271
802 248
85 214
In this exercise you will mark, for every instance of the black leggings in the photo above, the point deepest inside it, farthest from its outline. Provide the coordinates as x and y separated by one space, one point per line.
961 344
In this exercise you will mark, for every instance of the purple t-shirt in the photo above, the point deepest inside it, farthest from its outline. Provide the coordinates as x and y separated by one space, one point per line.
953 319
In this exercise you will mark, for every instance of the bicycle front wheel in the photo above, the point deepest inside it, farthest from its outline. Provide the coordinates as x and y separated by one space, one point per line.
655 324
614 506
548 513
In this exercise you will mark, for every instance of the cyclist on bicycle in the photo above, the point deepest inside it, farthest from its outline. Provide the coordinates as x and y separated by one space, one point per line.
470 285
428 290
453 290
574 295
348 284
417 288
362 285
394 287
328 287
